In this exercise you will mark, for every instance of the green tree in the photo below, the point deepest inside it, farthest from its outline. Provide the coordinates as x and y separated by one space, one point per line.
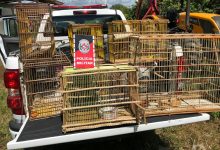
166 5
130 12
202 6
126 11
195 6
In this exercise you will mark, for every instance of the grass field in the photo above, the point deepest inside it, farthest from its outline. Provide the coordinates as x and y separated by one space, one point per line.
197 136
5 114
205 135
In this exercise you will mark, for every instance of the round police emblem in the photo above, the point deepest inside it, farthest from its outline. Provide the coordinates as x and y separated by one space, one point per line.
84 46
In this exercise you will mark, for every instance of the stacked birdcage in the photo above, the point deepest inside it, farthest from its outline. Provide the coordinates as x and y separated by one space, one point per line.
146 26
178 73
161 26
150 50
120 32
94 30
42 85
41 62
98 97
35 30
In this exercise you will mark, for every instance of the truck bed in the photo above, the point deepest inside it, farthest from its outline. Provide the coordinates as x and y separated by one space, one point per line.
49 131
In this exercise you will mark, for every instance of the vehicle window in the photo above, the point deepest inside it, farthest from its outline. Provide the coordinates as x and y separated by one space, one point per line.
194 21
61 23
13 28
217 21
207 26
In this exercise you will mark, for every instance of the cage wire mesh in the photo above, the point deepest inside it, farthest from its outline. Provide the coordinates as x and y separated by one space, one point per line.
94 30
178 73
99 97
35 30
120 32
42 85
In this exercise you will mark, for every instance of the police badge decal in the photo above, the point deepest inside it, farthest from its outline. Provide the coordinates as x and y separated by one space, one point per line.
84 46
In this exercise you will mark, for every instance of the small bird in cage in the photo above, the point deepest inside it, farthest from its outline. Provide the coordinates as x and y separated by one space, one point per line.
144 73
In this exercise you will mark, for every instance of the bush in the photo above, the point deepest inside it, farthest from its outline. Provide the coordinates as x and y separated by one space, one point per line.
215 115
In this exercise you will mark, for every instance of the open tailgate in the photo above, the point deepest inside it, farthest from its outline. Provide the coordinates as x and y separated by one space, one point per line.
49 131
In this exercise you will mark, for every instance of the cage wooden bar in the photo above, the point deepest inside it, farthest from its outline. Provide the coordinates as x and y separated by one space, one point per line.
89 29
178 73
35 30
98 97
42 83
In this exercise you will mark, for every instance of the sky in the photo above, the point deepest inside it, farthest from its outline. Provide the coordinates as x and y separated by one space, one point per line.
108 2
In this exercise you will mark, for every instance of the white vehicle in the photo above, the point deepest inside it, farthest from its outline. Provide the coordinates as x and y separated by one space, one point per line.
43 132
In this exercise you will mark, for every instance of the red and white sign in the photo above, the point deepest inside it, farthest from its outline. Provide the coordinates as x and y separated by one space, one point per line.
84 52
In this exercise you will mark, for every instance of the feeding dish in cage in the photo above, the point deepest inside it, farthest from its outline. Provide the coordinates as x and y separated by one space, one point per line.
108 113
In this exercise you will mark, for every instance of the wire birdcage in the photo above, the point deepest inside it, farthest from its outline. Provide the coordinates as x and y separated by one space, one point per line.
42 84
35 30
98 97
178 73
94 30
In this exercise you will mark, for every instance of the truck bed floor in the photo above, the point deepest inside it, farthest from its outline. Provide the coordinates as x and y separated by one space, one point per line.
52 127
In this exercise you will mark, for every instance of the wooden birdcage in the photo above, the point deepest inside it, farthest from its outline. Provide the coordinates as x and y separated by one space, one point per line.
121 31
178 73
162 26
149 50
42 84
122 26
119 48
146 26
94 30
98 97
35 31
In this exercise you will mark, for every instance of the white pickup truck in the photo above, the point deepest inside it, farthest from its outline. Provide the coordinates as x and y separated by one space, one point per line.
26 133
